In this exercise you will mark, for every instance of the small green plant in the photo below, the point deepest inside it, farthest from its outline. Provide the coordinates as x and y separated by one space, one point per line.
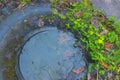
24 2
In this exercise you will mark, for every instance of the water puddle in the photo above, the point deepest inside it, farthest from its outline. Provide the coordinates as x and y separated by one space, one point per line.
50 55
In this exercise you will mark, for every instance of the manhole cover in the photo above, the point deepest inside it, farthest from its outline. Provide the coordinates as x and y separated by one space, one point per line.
50 55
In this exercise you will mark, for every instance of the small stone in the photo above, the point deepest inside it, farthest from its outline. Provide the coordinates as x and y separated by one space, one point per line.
25 20
8 56
40 23
95 22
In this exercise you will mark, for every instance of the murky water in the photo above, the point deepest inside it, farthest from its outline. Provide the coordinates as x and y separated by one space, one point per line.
50 55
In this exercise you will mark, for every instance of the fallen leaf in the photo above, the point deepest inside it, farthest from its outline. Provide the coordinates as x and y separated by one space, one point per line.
78 14
79 70
76 72
95 22
108 46
104 18
109 28
105 65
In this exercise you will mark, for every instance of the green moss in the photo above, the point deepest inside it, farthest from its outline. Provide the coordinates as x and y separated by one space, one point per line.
10 73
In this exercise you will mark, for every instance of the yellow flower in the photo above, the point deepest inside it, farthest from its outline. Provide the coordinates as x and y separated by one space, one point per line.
118 70
91 32
98 35
100 41
74 5
101 37
113 63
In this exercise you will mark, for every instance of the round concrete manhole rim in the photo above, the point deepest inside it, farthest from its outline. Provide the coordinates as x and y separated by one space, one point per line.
27 38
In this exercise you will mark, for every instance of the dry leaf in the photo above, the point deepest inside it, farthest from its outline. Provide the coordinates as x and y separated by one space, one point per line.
95 22
76 72
104 18
79 70
78 14
108 46
105 65
109 28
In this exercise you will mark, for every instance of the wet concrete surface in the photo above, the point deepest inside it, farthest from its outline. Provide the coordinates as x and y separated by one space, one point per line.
109 7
